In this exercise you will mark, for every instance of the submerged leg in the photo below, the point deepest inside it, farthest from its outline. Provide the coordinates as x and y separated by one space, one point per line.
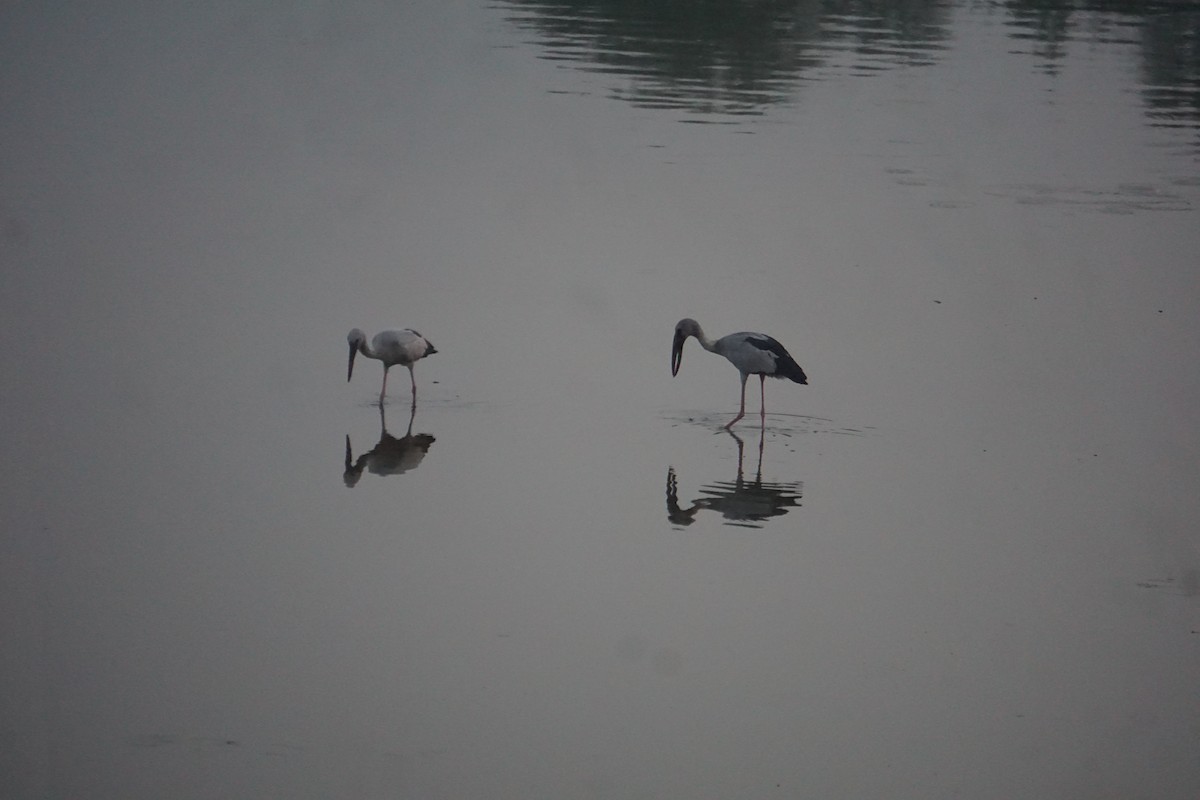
742 409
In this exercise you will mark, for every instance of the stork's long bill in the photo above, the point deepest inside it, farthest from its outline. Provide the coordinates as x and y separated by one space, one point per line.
677 352
353 353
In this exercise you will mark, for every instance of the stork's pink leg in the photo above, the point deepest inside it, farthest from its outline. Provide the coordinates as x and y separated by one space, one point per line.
762 388
742 410
383 391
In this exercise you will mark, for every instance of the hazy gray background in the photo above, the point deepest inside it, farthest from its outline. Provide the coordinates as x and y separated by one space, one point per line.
965 563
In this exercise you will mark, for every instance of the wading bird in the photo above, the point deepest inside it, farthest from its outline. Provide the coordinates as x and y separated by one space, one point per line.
391 347
752 353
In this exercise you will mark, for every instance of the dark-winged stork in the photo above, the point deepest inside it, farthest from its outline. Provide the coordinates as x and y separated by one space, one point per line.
752 353
404 346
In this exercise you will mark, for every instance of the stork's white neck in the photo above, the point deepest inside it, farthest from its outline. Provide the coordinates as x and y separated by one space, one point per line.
704 341
360 342
689 327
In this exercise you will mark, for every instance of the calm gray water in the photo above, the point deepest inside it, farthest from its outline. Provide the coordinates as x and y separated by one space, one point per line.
962 562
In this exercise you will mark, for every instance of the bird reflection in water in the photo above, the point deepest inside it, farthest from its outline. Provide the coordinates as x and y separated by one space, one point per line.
747 504
391 456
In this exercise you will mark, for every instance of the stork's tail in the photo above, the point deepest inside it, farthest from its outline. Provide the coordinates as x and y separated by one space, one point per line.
786 367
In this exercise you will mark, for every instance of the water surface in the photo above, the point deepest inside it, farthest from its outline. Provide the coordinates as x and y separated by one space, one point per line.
960 562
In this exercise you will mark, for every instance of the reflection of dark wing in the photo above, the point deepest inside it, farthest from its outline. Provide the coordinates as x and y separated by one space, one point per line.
749 503
394 456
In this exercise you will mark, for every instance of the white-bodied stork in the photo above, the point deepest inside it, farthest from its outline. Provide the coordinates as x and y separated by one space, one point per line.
752 353
404 346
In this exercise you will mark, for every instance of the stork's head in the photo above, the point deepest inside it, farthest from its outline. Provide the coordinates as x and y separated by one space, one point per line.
357 339
683 329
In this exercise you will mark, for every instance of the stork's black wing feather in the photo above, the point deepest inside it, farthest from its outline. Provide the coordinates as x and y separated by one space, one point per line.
764 342
785 365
